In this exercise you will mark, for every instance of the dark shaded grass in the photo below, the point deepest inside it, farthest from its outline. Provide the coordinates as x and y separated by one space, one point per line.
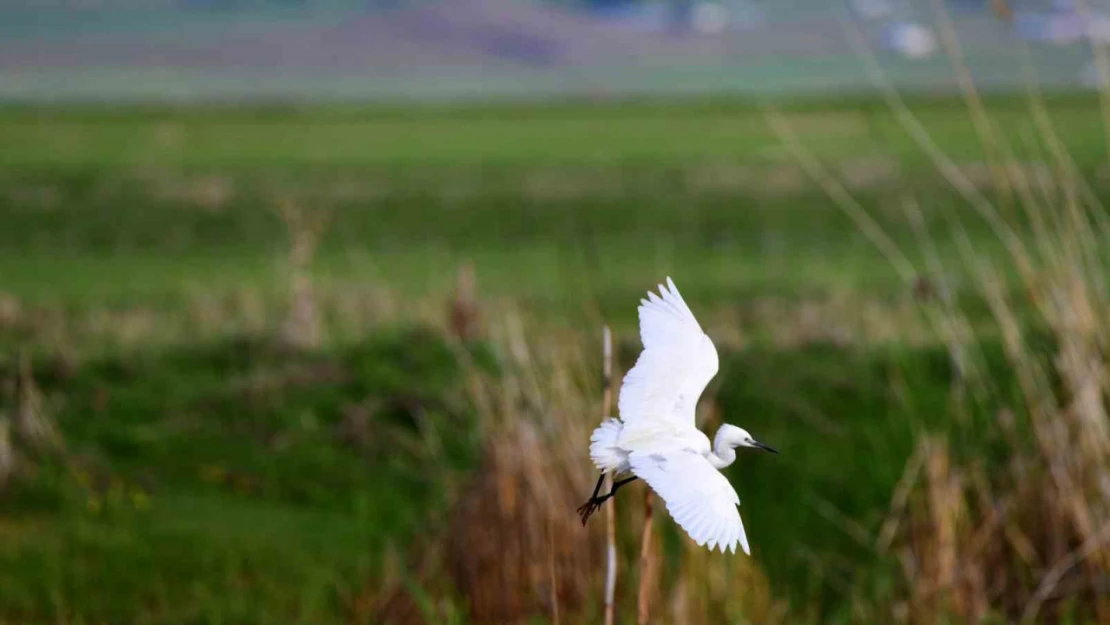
846 421
215 482
234 448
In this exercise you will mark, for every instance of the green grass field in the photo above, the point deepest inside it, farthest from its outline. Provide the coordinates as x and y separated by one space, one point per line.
211 475
707 191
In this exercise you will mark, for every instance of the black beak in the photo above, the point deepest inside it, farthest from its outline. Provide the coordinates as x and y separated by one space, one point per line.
764 447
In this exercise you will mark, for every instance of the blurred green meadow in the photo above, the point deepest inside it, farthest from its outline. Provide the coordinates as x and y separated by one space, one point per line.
159 198
211 464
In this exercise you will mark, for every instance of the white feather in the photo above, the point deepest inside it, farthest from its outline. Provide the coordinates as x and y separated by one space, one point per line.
656 437
677 363
604 451
698 497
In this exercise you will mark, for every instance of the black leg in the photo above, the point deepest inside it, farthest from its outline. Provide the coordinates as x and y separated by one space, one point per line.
586 509
591 506
619 484
597 488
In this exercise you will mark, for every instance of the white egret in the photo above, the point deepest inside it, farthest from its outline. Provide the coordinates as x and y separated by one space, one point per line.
656 438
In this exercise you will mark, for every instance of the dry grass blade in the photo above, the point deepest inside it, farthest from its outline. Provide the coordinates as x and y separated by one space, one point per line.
900 501
840 196
464 317
647 568
516 549
33 427
948 319
8 462
1102 65
611 510
979 117
1050 581
553 589
304 228
944 164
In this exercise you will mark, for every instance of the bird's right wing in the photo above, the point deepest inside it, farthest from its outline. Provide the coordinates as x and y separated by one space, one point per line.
676 365
699 498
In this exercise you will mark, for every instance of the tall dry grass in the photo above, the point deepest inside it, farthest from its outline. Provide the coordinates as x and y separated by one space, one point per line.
28 432
610 511
1027 539
302 327
649 564
517 548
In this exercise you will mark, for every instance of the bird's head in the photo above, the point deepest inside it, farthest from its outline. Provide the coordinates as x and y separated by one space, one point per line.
732 436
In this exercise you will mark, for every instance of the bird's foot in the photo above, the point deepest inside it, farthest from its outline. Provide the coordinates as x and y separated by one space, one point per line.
590 507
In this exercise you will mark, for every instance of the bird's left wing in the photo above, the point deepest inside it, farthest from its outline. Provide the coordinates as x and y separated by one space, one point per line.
677 362
699 498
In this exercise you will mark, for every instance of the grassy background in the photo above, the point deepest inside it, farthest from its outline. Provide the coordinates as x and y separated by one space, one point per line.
211 475
619 192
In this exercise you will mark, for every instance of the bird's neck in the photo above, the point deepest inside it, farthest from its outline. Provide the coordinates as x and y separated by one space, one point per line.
722 454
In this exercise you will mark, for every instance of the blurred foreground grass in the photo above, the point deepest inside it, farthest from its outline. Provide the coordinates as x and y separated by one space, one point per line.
211 474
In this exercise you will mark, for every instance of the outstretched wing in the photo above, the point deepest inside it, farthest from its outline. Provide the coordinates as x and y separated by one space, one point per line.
677 362
698 497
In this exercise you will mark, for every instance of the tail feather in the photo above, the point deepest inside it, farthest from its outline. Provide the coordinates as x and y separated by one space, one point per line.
603 447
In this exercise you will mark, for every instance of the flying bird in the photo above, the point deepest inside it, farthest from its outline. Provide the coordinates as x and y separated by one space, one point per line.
656 438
